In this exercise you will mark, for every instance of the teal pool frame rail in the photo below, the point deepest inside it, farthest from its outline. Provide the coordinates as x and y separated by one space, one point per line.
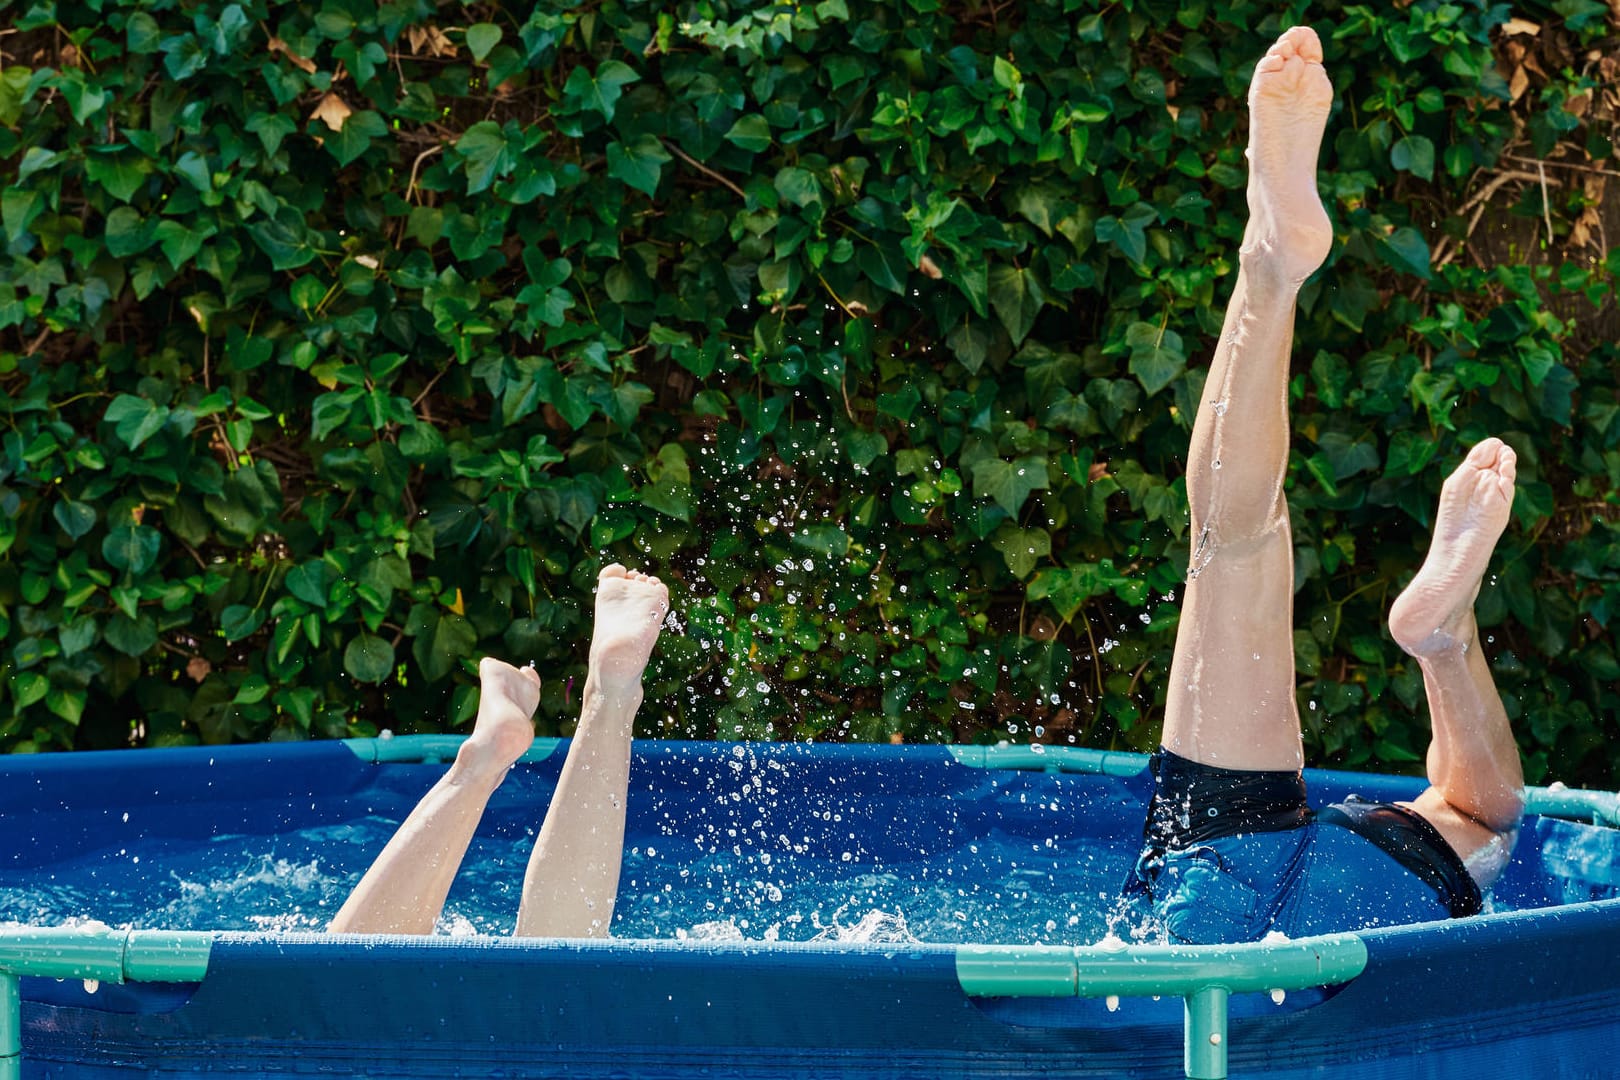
1203 976
112 956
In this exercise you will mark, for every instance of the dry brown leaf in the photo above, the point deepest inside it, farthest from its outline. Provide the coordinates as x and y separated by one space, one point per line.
1518 83
302 63
1520 26
1577 104
1098 470
198 668
1581 231
429 41
333 111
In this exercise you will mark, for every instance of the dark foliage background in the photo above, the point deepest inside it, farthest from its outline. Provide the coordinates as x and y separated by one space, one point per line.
341 342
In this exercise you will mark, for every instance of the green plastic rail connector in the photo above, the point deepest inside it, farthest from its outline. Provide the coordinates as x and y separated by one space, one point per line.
1202 975
112 956
430 749
1598 807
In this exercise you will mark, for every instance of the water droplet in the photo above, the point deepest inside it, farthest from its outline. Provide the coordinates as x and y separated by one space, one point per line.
1112 1002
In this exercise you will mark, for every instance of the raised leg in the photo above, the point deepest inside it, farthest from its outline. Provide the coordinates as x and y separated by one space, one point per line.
573 875
1231 694
1476 797
404 890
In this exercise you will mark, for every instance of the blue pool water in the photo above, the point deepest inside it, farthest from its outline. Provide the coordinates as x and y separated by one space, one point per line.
998 889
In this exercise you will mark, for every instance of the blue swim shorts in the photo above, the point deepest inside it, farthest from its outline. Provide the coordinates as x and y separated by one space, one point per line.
1232 855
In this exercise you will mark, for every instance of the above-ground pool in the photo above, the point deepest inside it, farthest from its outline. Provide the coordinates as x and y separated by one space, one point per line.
785 911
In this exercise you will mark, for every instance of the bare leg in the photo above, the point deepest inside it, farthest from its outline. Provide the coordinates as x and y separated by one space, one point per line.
404 890
1477 793
573 875
1231 695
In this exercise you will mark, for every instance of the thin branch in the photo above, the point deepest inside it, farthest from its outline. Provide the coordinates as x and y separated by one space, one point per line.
417 164
1563 165
705 170
1546 205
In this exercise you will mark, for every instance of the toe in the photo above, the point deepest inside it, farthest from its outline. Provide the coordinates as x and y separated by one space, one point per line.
1484 452
1306 44
613 570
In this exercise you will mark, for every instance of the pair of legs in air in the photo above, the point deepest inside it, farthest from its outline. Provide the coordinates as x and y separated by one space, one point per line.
573 873
1230 702
1231 723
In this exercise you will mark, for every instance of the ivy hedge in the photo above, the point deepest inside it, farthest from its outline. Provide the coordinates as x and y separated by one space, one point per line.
341 342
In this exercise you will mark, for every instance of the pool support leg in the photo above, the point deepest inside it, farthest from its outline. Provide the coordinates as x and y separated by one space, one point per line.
10 1028
1204 1034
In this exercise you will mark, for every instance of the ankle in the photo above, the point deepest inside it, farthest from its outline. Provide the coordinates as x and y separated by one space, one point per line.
479 763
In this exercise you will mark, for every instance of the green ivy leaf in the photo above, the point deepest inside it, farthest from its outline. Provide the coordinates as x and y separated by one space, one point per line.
359 129
1009 483
1017 296
285 239
1021 548
120 174
485 153
368 658
828 541
76 518
439 641
598 92
1049 666
78 635
798 186
1128 233
638 162
307 582
135 419
129 232
132 637
481 38
750 132
884 265
1406 250
271 128
1414 154
1157 355
239 621
132 548
28 687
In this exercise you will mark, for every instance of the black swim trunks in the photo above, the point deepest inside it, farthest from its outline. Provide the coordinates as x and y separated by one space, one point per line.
1233 854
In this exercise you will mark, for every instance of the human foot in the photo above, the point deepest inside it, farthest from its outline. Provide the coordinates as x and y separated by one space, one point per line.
630 610
504 729
1435 613
1289 99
